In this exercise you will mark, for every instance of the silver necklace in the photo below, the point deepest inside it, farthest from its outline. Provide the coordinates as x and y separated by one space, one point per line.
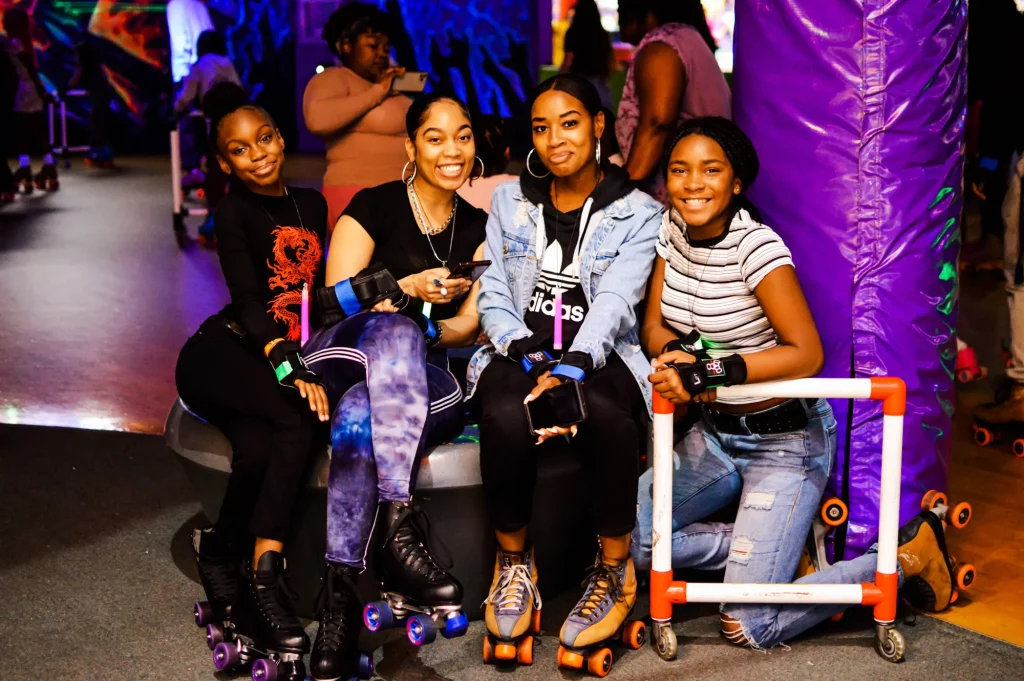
424 223
273 221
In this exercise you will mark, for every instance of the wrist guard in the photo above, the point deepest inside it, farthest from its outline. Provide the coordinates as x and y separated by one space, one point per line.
707 373
358 293
689 344
574 366
531 355
288 365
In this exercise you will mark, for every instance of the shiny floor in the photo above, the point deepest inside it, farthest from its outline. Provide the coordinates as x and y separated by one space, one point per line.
96 300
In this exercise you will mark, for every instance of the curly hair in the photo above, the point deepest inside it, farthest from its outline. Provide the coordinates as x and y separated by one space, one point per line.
353 19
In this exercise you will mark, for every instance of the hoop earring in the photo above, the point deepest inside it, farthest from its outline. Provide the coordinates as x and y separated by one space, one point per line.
598 151
530 170
406 167
482 169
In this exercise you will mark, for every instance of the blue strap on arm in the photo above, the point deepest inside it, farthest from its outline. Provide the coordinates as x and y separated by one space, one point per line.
528 365
570 372
347 297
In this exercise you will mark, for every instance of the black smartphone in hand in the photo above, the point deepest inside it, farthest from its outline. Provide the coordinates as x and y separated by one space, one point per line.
470 270
561 406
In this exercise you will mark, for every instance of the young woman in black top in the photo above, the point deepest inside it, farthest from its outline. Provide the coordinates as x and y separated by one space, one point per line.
385 367
241 371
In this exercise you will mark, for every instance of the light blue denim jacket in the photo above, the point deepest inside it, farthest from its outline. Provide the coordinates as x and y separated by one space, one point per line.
616 257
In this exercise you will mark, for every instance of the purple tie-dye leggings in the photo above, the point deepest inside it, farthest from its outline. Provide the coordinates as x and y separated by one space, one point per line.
389 401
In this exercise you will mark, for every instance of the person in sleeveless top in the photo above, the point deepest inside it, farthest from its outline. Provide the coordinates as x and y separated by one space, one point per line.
673 77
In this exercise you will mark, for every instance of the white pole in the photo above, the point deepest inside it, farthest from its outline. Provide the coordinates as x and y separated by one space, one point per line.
700 592
662 494
176 170
839 388
889 494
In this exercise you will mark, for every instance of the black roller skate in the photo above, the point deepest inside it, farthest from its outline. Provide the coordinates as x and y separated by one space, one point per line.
416 590
23 180
1002 420
218 564
266 632
46 178
339 611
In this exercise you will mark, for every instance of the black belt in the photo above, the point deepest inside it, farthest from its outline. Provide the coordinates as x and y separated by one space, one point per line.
788 417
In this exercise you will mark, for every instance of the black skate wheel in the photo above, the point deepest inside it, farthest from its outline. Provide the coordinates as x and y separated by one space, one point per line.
365 666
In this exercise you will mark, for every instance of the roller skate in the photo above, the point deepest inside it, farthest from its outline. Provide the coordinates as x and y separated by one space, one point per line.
266 632
206 234
218 563
957 515
100 158
23 180
1003 420
930 578
600 617
46 178
512 612
335 655
415 590
967 367
193 179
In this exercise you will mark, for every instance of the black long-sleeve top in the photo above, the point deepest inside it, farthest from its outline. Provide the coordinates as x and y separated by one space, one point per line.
268 247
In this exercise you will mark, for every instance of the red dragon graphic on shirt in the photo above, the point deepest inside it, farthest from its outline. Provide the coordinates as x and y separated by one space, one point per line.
296 257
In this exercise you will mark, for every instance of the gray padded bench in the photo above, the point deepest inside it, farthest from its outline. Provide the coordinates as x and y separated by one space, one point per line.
448 487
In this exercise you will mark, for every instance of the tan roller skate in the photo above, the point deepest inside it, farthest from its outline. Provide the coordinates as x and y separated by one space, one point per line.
512 612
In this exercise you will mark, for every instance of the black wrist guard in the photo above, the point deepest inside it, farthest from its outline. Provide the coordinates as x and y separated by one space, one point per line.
358 293
574 366
288 365
708 373
530 354
689 344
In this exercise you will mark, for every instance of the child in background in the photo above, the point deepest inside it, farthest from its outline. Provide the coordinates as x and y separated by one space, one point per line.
89 76
30 98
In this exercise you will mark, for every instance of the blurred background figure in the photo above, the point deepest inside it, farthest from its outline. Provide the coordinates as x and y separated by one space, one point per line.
186 20
588 49
353 107
492 149
8 86
89 76
674 77
212 67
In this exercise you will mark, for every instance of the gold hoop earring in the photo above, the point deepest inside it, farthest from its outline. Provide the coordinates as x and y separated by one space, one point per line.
406 167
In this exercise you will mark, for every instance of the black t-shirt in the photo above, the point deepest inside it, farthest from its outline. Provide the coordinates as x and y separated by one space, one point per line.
268 247
558 274
386 215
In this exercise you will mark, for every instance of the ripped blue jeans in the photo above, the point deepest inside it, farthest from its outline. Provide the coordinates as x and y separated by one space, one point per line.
779 480
390 400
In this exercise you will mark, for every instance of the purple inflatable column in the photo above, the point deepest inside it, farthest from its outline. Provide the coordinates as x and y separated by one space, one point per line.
857 111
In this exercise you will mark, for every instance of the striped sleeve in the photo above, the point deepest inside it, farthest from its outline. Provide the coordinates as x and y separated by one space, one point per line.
664 247
759 252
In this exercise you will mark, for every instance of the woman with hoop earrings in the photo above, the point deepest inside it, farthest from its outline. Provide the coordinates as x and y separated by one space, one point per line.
385 368
571 234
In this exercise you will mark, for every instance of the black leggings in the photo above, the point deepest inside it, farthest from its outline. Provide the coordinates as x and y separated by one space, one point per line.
609 442
271 429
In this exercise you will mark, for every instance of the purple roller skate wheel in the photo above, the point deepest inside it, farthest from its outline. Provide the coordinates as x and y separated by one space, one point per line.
214 635
377 616
225 656
420 630
203 613
264 670
365 667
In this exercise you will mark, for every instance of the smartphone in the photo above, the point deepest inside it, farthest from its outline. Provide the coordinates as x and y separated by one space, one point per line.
412 81
562 406
470 270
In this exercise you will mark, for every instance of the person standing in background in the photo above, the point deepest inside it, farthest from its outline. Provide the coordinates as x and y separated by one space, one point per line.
186 20
588 49
673 77
90 77
353 107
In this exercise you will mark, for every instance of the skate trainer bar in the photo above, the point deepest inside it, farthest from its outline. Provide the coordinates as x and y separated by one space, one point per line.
881 594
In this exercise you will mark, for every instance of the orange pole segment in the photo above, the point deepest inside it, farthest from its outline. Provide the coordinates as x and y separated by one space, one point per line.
893 393
885 611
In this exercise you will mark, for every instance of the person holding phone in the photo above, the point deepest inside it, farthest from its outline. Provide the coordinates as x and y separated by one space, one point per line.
571 234
354 106
399 300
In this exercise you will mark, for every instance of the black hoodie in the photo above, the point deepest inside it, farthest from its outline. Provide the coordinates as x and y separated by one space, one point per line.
562 229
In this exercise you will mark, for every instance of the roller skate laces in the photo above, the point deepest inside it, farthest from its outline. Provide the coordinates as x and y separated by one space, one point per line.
603 588
511 596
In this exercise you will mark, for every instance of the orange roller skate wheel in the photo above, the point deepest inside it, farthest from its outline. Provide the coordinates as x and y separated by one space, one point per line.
524 654
535 622
488 649
983 437
600 662
838 616
569 659
506 652
931 499
965 575
960 516
955 595
834 512
1018 448
634 634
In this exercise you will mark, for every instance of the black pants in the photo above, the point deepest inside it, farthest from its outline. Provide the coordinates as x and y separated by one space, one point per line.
32 136
272 431
608 441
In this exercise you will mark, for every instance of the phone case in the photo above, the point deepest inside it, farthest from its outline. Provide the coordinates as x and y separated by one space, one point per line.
579 397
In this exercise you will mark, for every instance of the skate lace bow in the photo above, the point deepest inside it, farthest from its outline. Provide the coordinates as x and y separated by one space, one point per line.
601 582
509 594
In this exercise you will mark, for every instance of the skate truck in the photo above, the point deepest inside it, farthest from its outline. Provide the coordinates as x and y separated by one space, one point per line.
881 594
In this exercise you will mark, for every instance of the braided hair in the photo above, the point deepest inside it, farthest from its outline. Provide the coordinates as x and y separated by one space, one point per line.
738 148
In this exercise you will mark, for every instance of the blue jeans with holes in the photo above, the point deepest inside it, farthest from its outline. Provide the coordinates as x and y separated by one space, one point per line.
779 480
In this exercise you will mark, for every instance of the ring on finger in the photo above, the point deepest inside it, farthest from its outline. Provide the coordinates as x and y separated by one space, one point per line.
444 292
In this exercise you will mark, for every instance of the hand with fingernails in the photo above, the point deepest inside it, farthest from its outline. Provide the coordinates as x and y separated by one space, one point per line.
666 381
434 286
546 382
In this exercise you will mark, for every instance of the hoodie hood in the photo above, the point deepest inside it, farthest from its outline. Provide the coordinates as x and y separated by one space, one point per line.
615 185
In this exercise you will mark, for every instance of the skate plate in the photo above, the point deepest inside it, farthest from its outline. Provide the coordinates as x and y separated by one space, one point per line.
986 433
957 515
598 657
512 650
267 665
422 624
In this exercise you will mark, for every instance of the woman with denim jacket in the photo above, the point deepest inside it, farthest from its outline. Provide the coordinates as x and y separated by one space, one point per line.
573 226
727 309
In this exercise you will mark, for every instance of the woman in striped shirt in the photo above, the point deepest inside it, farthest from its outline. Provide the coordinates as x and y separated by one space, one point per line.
731 311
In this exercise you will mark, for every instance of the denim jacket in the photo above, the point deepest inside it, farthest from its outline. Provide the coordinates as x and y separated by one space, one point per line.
616 257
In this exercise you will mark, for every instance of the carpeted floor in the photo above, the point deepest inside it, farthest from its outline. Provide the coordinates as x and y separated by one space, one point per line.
96 582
